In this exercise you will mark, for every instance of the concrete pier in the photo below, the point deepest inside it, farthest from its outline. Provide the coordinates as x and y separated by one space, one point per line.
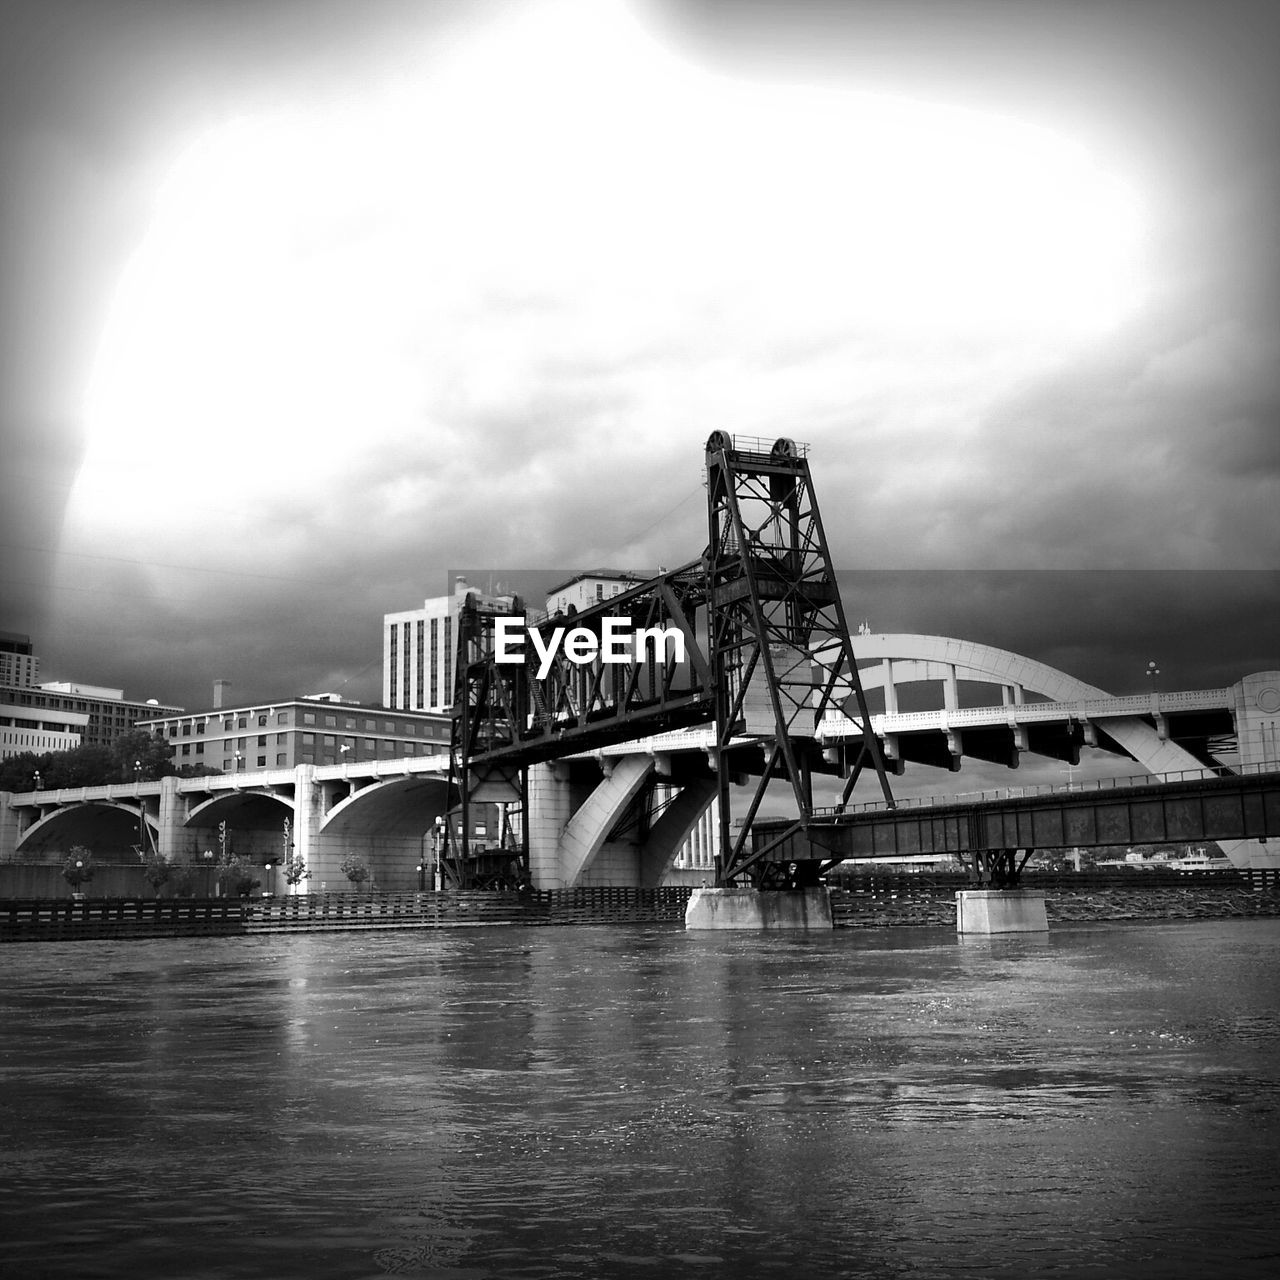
804 909
1000 911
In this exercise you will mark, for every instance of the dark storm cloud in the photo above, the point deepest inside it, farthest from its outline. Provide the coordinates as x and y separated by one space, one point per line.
1155 448
1204 629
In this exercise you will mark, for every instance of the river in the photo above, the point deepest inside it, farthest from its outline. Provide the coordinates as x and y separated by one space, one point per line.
1100 1101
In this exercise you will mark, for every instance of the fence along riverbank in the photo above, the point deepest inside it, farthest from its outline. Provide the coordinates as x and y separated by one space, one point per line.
867 901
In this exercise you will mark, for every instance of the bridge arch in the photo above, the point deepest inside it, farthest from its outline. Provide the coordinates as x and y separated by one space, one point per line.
401 806
905 658
108 828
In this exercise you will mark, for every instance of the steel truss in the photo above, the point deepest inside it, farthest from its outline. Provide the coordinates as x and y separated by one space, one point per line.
779 641
489 702
766 653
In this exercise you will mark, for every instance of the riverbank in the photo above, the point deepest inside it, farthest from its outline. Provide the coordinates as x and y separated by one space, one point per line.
867 903
906 904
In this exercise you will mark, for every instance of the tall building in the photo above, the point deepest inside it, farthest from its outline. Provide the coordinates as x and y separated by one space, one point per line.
19 665
417 650
102 714
315 730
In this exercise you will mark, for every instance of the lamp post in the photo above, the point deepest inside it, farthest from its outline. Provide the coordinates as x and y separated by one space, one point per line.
422 876
441 827
137 783
208 864
270 889
37 780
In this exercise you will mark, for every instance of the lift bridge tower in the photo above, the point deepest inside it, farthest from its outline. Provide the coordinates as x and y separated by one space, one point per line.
766 655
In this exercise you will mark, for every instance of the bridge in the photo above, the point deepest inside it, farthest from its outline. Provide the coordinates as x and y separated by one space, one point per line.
623 814
610 766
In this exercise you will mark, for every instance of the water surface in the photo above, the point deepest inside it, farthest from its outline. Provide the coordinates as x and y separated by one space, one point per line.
640 1101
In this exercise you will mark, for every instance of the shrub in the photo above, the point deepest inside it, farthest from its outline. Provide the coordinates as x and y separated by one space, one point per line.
235 878
78 867
355 869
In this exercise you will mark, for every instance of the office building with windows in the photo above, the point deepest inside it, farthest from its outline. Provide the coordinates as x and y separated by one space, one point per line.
19 665
591 587
100 715
314 730
418 647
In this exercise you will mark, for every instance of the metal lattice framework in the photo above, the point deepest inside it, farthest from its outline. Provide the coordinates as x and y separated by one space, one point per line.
773 608
766 652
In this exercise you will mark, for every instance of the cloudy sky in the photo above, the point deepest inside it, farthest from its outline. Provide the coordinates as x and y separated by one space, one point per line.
307 302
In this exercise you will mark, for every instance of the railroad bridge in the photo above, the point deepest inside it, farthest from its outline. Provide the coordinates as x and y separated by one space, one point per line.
609 765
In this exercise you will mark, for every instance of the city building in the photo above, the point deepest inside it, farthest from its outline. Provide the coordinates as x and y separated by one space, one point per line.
25 728
107 714
19 665
321 729
418 646
589 588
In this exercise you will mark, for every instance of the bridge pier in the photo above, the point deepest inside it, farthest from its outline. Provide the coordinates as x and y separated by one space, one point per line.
806 910
1000 911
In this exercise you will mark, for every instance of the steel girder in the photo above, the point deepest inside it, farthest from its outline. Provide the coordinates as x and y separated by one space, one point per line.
766 649
773 608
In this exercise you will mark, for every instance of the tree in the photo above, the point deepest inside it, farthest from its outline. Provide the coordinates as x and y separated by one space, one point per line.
157 868
18 773
295 869
78 867
138 747
355 869
236 877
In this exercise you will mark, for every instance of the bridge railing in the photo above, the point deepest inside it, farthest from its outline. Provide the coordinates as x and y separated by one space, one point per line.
836 724
1060 788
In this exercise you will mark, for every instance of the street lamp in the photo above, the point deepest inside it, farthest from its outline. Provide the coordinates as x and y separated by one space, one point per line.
137 782
37 776
208 862
1153 674
268 868
422 876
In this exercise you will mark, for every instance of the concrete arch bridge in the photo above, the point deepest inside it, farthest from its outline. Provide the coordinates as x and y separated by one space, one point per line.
623 815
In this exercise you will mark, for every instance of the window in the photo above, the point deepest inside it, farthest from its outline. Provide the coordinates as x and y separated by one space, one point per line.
262 720
186 731
262 739
308 717
200 727
308 739
242 723
186 748
282 717
331 722
228 725
262 762
328 740
199 748
282 757
281 738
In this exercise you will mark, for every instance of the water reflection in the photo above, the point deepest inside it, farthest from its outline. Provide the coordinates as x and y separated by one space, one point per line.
588 1102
